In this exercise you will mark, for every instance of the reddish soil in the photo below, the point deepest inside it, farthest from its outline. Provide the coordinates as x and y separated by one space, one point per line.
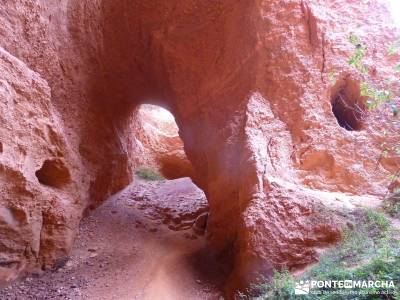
138 245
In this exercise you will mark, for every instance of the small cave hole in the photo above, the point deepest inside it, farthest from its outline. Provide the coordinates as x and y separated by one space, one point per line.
347 110
1 147
53 173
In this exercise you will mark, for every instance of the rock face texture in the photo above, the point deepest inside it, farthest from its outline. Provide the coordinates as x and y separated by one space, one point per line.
37 221
157 143
178 203
247 82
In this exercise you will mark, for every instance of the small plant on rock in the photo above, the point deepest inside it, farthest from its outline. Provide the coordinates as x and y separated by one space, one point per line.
368 251
281 286
379 95
391 205
149 174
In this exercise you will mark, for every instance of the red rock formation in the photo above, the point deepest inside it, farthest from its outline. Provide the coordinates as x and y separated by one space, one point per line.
157 143
247 83
37 221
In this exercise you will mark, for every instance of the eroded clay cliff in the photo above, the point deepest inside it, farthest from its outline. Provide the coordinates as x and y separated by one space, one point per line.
247 82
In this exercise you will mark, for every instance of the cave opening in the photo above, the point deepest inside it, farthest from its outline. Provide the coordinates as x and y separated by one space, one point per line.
162 166
161 216
349 113
53 173
159 145
157 224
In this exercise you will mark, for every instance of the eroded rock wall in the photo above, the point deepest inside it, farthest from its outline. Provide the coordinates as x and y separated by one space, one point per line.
56 123
248 85
37 221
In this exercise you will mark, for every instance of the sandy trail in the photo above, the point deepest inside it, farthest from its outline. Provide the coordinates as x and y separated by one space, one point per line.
137 245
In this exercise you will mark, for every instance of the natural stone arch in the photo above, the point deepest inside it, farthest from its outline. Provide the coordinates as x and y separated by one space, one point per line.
222 122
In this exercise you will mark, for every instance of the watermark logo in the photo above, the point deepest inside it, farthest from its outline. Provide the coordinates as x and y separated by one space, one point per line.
302 288
344 287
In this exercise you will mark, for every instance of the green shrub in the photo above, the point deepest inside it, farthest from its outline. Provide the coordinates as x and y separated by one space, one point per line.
148 174
391 205
370 251
376 223
281 286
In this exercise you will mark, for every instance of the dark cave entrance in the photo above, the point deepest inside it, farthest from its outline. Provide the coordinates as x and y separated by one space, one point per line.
348 110
53 173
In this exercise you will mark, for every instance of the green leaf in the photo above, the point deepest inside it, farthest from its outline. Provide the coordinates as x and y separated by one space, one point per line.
375 97
394 48
332 77
355 40
356 60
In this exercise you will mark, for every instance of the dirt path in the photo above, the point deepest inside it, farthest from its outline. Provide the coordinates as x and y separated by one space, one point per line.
138 245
